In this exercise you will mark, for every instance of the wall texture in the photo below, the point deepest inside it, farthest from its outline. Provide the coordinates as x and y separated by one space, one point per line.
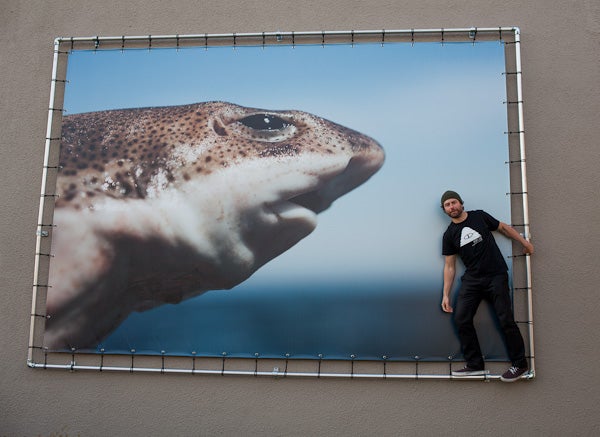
561 74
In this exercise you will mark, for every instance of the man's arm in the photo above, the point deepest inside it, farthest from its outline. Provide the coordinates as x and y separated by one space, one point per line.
449 273
510 232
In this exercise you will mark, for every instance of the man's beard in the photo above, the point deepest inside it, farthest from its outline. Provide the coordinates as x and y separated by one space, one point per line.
455 213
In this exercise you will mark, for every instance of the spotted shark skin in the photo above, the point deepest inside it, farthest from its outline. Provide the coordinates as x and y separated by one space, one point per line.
157 205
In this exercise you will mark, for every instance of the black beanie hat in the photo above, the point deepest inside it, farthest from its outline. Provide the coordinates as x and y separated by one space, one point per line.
451 195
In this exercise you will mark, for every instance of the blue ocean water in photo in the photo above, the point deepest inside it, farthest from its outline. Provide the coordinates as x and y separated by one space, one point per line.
367 321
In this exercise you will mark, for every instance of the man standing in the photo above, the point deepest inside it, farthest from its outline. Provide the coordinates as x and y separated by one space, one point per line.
469 236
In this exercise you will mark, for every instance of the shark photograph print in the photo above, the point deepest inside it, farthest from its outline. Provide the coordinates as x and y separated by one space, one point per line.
304 180
166 203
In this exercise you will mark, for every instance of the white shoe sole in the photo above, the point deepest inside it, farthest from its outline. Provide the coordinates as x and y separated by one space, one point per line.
473 373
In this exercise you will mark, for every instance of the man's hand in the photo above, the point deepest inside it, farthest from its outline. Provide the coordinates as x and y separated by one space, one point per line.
527 248
446 307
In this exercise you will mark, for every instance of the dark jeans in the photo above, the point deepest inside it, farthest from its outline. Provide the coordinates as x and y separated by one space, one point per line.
495 290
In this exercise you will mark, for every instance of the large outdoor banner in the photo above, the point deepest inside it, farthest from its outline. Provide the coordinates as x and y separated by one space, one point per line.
271 201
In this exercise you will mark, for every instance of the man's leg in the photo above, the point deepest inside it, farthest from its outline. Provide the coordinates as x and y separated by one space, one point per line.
469 298
500 299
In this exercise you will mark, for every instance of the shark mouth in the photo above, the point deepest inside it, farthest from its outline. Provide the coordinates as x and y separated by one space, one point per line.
358 170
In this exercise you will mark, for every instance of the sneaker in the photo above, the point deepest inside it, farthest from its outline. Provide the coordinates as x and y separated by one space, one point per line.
468 371
513 374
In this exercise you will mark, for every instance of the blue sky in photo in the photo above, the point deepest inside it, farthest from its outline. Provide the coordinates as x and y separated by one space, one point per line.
438 111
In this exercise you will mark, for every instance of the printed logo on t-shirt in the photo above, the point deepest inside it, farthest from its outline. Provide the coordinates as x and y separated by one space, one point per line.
469 235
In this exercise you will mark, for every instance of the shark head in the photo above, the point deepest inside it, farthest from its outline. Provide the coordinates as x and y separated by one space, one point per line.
260 177
174 201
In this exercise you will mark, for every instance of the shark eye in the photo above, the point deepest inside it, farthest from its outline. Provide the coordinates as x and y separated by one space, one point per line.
264 122
265 127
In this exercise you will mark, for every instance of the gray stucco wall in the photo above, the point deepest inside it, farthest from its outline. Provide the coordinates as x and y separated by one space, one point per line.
561 74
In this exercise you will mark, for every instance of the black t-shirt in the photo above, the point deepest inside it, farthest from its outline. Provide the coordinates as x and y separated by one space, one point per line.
473 241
